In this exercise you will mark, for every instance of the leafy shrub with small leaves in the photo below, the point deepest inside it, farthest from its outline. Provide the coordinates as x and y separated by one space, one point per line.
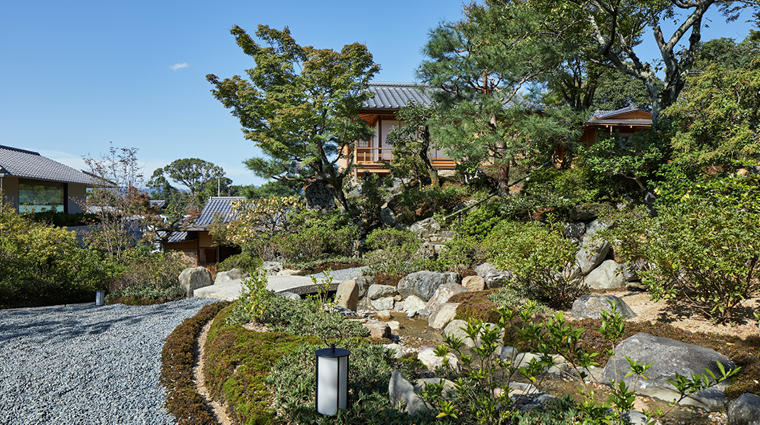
253 300
293 383
308 318
243 261
393 250
418 203
540 258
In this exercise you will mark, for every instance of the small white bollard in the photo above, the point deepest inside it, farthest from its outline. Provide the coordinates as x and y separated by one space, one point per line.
100 297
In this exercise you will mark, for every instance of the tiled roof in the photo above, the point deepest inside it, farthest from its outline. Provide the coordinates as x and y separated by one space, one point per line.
601 114
27 164
220 206
182 237
395 95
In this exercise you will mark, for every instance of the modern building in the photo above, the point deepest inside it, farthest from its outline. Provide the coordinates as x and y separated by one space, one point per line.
32 183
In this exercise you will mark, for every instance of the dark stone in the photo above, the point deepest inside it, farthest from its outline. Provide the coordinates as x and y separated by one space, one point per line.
319 195
591 307
585 212
745 410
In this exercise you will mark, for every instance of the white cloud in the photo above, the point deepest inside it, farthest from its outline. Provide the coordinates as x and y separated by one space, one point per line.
178 66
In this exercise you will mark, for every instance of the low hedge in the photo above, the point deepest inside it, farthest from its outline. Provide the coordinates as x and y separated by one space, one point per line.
182 399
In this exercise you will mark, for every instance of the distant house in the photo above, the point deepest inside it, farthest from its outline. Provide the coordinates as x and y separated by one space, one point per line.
33 183
380 113
625 121
196 242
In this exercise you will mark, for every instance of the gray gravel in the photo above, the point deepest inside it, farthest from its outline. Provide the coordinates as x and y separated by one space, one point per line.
82 364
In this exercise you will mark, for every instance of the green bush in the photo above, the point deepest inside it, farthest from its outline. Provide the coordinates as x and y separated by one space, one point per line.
60 219
41 264
149 275
308 317
415 204
540 258
243 261
393 251
293 380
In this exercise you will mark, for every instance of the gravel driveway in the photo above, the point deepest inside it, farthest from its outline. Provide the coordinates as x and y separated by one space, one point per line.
82 364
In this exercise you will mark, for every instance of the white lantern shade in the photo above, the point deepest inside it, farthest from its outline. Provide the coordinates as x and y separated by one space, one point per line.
332 380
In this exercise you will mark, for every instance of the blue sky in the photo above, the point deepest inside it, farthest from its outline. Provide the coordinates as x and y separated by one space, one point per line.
76 75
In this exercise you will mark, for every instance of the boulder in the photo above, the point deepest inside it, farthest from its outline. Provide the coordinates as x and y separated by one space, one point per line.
426 227
319 195
594 226
493 277
384 315
574 230
386 215
431 361
364 282
443 315
401 392
399 350
383 303
423 284
591 307
193 278
381 291
377 329
668 357
347 295
585 212
426 251
609 275
474 283
229 276
591 254
442 295
412 304
745 410
456 328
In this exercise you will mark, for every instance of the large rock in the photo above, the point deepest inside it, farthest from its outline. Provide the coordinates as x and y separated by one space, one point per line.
493 277
592 253
386 215
193 278
272 268
591 307
431 361
318 195
423 284
457 329
668 357
401 392
474 283
347 295
377 329
364 282
229 276
381 291
745 410
609 275
442 295
412 304
426 227
386 303
443 315
574 230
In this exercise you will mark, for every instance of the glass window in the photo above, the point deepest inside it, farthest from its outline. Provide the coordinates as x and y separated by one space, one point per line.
38 196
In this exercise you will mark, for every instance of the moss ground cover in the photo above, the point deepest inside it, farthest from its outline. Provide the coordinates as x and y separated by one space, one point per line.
182 400
238 362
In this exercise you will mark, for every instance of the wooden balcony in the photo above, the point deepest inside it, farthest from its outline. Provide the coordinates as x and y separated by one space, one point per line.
376 158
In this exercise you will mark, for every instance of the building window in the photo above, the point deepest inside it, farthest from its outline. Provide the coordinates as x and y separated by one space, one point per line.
37 196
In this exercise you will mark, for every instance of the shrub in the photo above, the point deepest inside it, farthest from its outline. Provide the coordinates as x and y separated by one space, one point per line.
541 259
417 203
393 250
41 264
308 318
293 380
182 399
253 301
151 275
243 261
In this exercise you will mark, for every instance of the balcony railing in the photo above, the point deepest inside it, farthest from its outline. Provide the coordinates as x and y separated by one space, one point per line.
375 156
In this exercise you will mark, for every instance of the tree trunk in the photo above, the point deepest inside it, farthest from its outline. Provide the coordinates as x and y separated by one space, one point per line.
504 180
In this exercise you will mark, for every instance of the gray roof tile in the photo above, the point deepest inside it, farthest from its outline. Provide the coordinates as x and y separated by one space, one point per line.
32 165
215 206
396 95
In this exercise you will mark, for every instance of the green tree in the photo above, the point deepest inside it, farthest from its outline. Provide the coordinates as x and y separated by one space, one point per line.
299 106
411 143
193 173
481 64
617 27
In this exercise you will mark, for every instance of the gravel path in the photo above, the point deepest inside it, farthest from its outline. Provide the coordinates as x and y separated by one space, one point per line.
83 364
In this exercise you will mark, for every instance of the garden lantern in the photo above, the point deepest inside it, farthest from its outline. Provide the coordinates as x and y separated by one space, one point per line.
332 379
100 297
